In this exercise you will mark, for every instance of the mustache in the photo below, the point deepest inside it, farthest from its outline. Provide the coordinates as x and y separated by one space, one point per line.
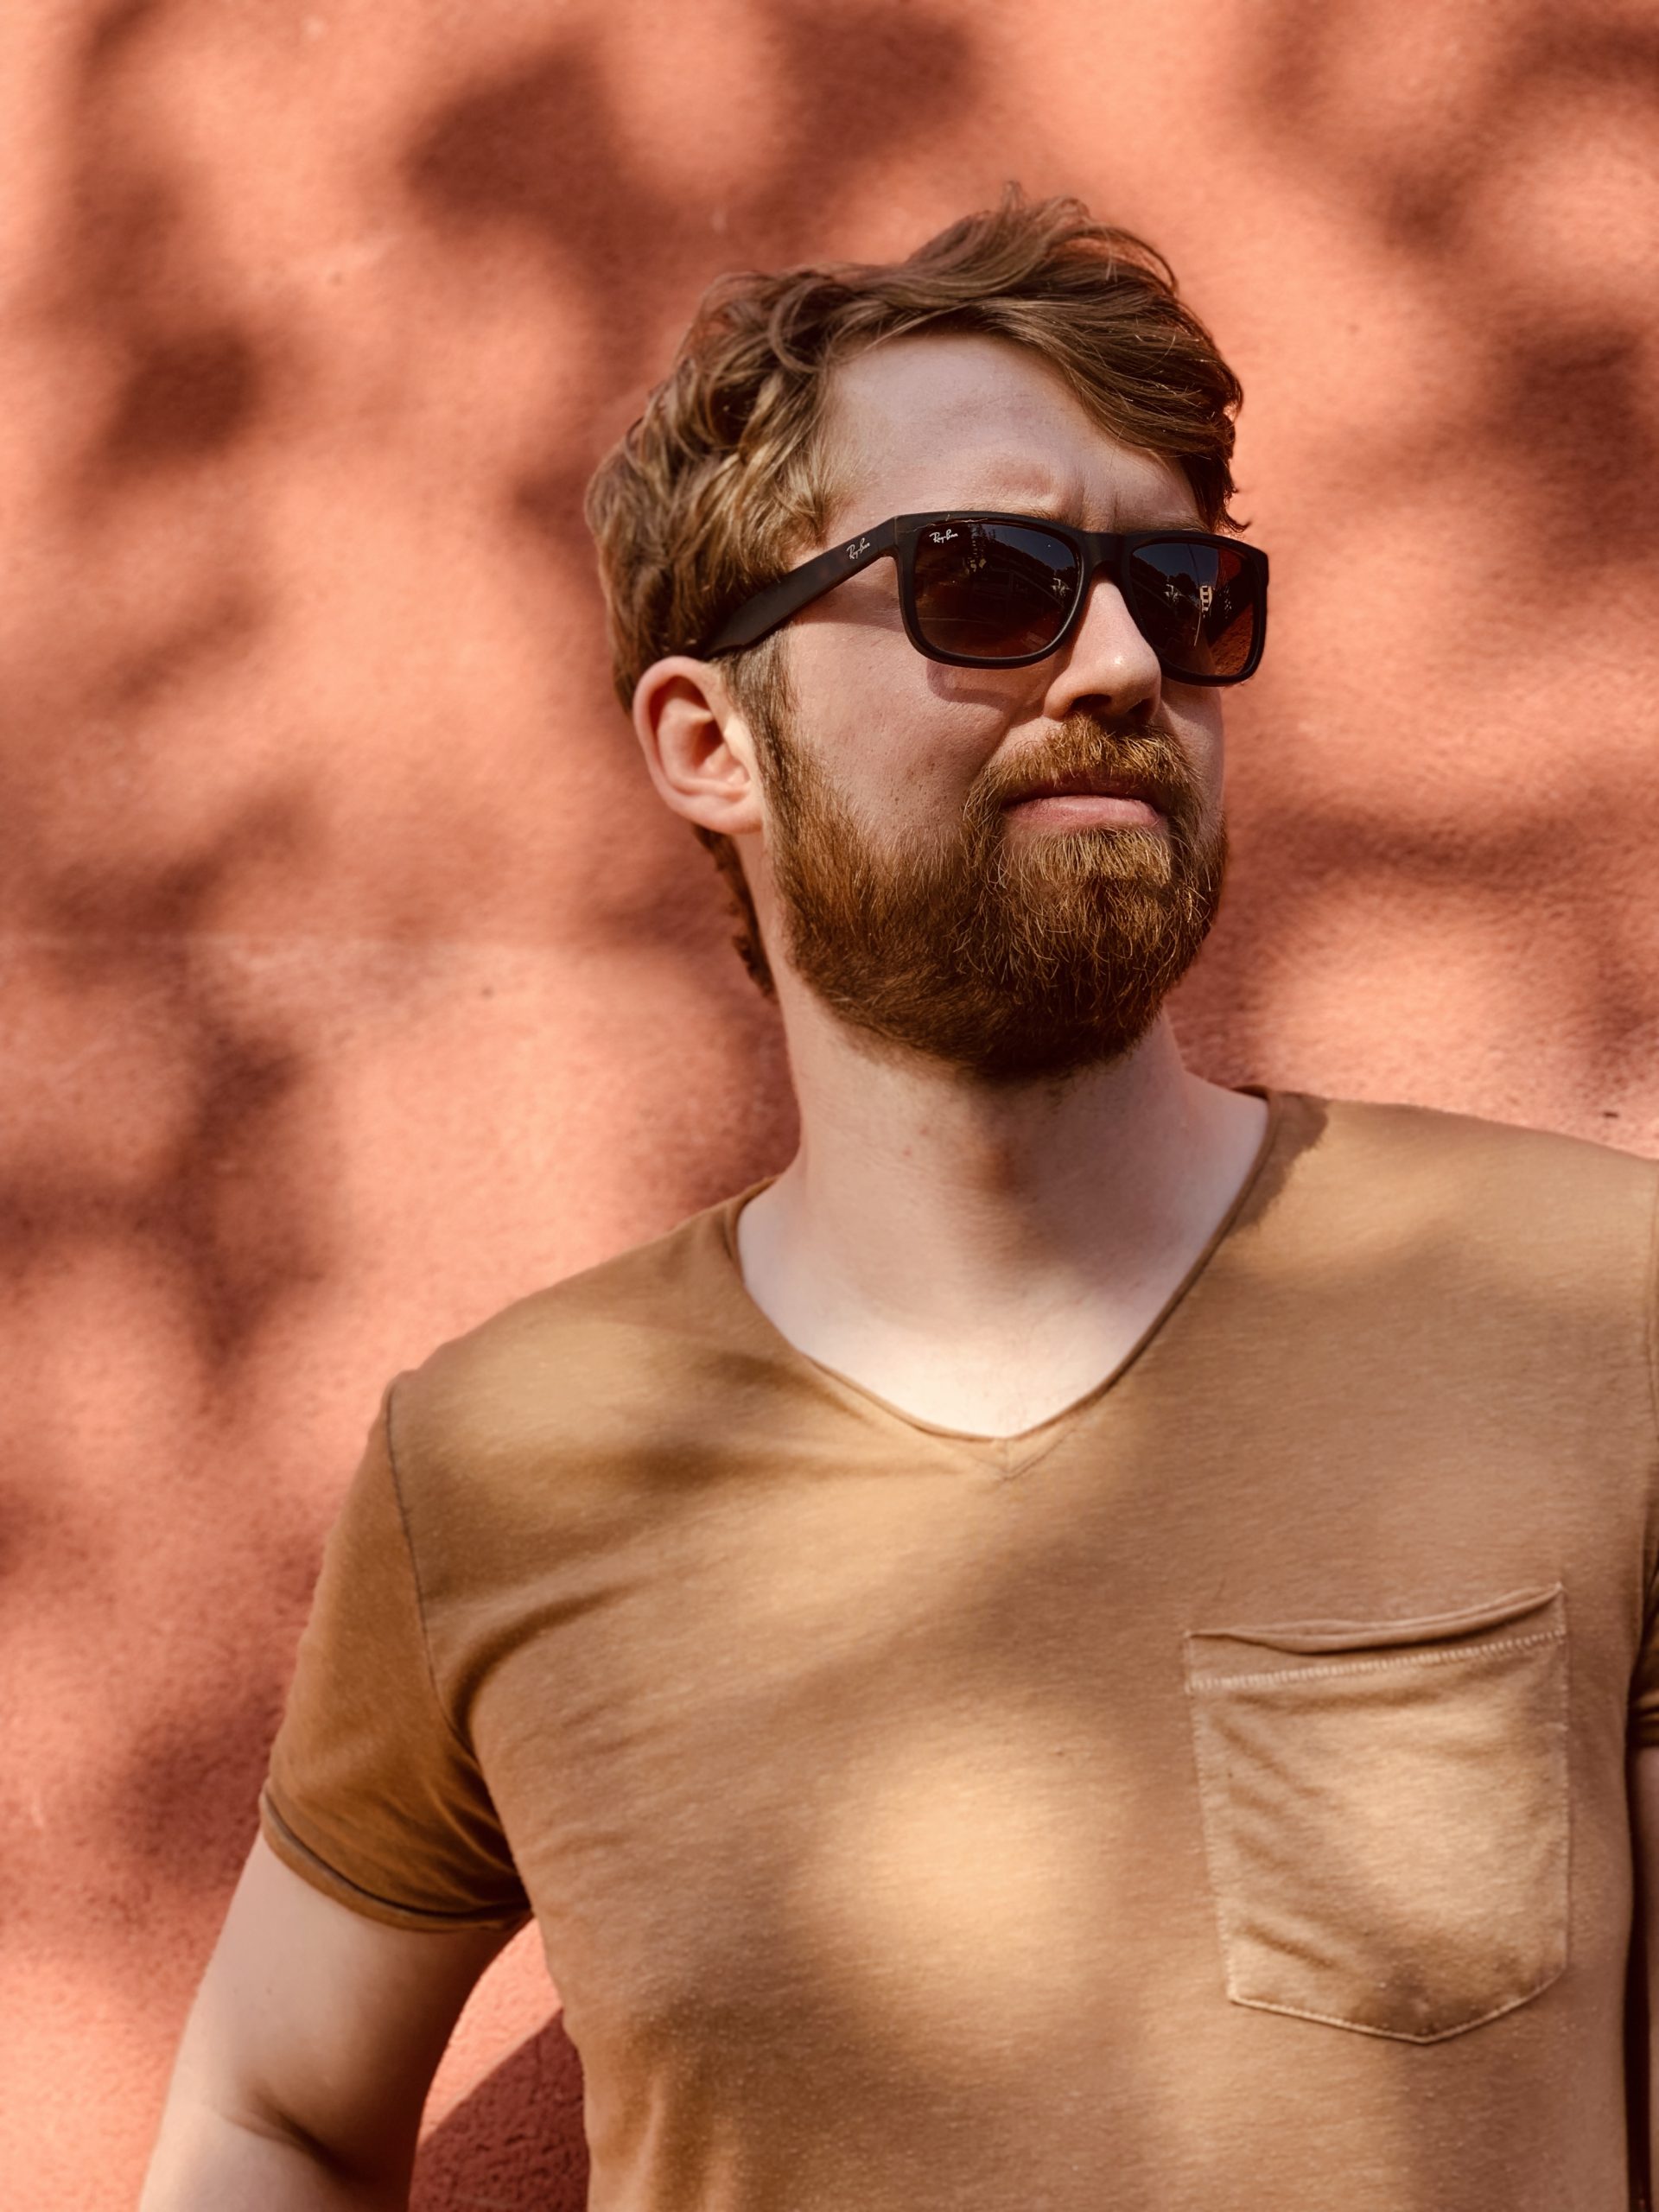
1148 762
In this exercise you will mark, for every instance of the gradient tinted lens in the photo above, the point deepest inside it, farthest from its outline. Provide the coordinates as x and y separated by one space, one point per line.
1196 606
993 590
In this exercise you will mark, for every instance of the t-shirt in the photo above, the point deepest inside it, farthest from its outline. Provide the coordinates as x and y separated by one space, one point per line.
1210 1800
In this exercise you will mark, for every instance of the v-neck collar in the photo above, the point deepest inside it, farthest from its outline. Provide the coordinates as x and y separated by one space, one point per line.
1010 1454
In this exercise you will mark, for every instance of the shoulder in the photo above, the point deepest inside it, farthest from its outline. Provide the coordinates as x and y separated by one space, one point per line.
1423 1142
1413 1173
582 1370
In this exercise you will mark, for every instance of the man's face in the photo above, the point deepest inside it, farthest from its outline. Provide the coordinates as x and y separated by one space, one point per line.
1005 869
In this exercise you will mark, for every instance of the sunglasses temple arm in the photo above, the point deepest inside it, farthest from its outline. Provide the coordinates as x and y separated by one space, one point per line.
763 614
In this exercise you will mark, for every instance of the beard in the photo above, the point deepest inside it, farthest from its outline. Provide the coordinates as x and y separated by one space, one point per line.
1006 956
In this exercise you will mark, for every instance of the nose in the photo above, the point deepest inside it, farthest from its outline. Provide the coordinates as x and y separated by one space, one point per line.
1108 666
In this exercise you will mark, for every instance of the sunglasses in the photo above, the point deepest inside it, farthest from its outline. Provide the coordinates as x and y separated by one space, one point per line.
1002 591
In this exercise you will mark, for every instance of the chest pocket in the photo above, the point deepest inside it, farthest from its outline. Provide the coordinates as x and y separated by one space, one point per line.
1386 1812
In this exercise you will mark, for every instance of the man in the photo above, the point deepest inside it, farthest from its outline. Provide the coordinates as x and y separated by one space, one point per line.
1078 1647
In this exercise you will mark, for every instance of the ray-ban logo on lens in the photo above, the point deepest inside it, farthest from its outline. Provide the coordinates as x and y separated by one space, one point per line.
863 546
938 537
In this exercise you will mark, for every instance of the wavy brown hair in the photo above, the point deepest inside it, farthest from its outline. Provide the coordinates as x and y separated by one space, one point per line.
722 484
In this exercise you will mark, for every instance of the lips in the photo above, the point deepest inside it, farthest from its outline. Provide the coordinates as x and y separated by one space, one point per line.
1092 785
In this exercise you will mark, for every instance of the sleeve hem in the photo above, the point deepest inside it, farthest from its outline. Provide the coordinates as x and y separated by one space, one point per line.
301 1859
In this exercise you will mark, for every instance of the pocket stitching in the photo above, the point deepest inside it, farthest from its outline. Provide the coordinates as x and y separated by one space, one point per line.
1403 2035
1198 1682
1216 1838
1210 1836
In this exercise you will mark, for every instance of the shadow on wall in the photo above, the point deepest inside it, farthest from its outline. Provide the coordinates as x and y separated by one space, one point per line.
106 893
1517 176
543 149
158 1140
1499 174
516 2145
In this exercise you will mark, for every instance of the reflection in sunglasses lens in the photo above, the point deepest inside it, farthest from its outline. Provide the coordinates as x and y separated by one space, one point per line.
1195 605
993 591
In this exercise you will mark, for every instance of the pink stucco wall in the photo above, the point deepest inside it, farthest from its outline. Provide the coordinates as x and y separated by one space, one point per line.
352 981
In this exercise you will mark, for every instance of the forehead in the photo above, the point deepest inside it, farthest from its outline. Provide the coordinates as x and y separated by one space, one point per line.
917 424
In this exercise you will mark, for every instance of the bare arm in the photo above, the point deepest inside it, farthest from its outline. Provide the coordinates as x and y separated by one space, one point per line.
308 2054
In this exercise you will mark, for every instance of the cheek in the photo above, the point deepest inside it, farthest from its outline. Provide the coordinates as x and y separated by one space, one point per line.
866 711
1194 717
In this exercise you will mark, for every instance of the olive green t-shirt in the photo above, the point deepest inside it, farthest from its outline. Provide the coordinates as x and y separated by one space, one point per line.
1213 1800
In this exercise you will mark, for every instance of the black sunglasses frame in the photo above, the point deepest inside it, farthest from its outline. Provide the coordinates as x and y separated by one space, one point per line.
1096 549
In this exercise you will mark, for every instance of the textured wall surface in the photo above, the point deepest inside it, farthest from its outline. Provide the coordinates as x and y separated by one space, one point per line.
351 982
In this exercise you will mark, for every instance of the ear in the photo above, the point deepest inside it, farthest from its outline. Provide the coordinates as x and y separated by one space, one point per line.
697 746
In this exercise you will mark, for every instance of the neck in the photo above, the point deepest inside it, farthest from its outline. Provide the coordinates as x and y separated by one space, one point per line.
930 1209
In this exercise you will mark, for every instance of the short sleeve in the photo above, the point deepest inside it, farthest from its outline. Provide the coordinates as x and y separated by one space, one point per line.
373 1795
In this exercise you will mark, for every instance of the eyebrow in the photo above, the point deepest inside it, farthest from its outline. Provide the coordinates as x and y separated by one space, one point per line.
1128 516
1044 507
